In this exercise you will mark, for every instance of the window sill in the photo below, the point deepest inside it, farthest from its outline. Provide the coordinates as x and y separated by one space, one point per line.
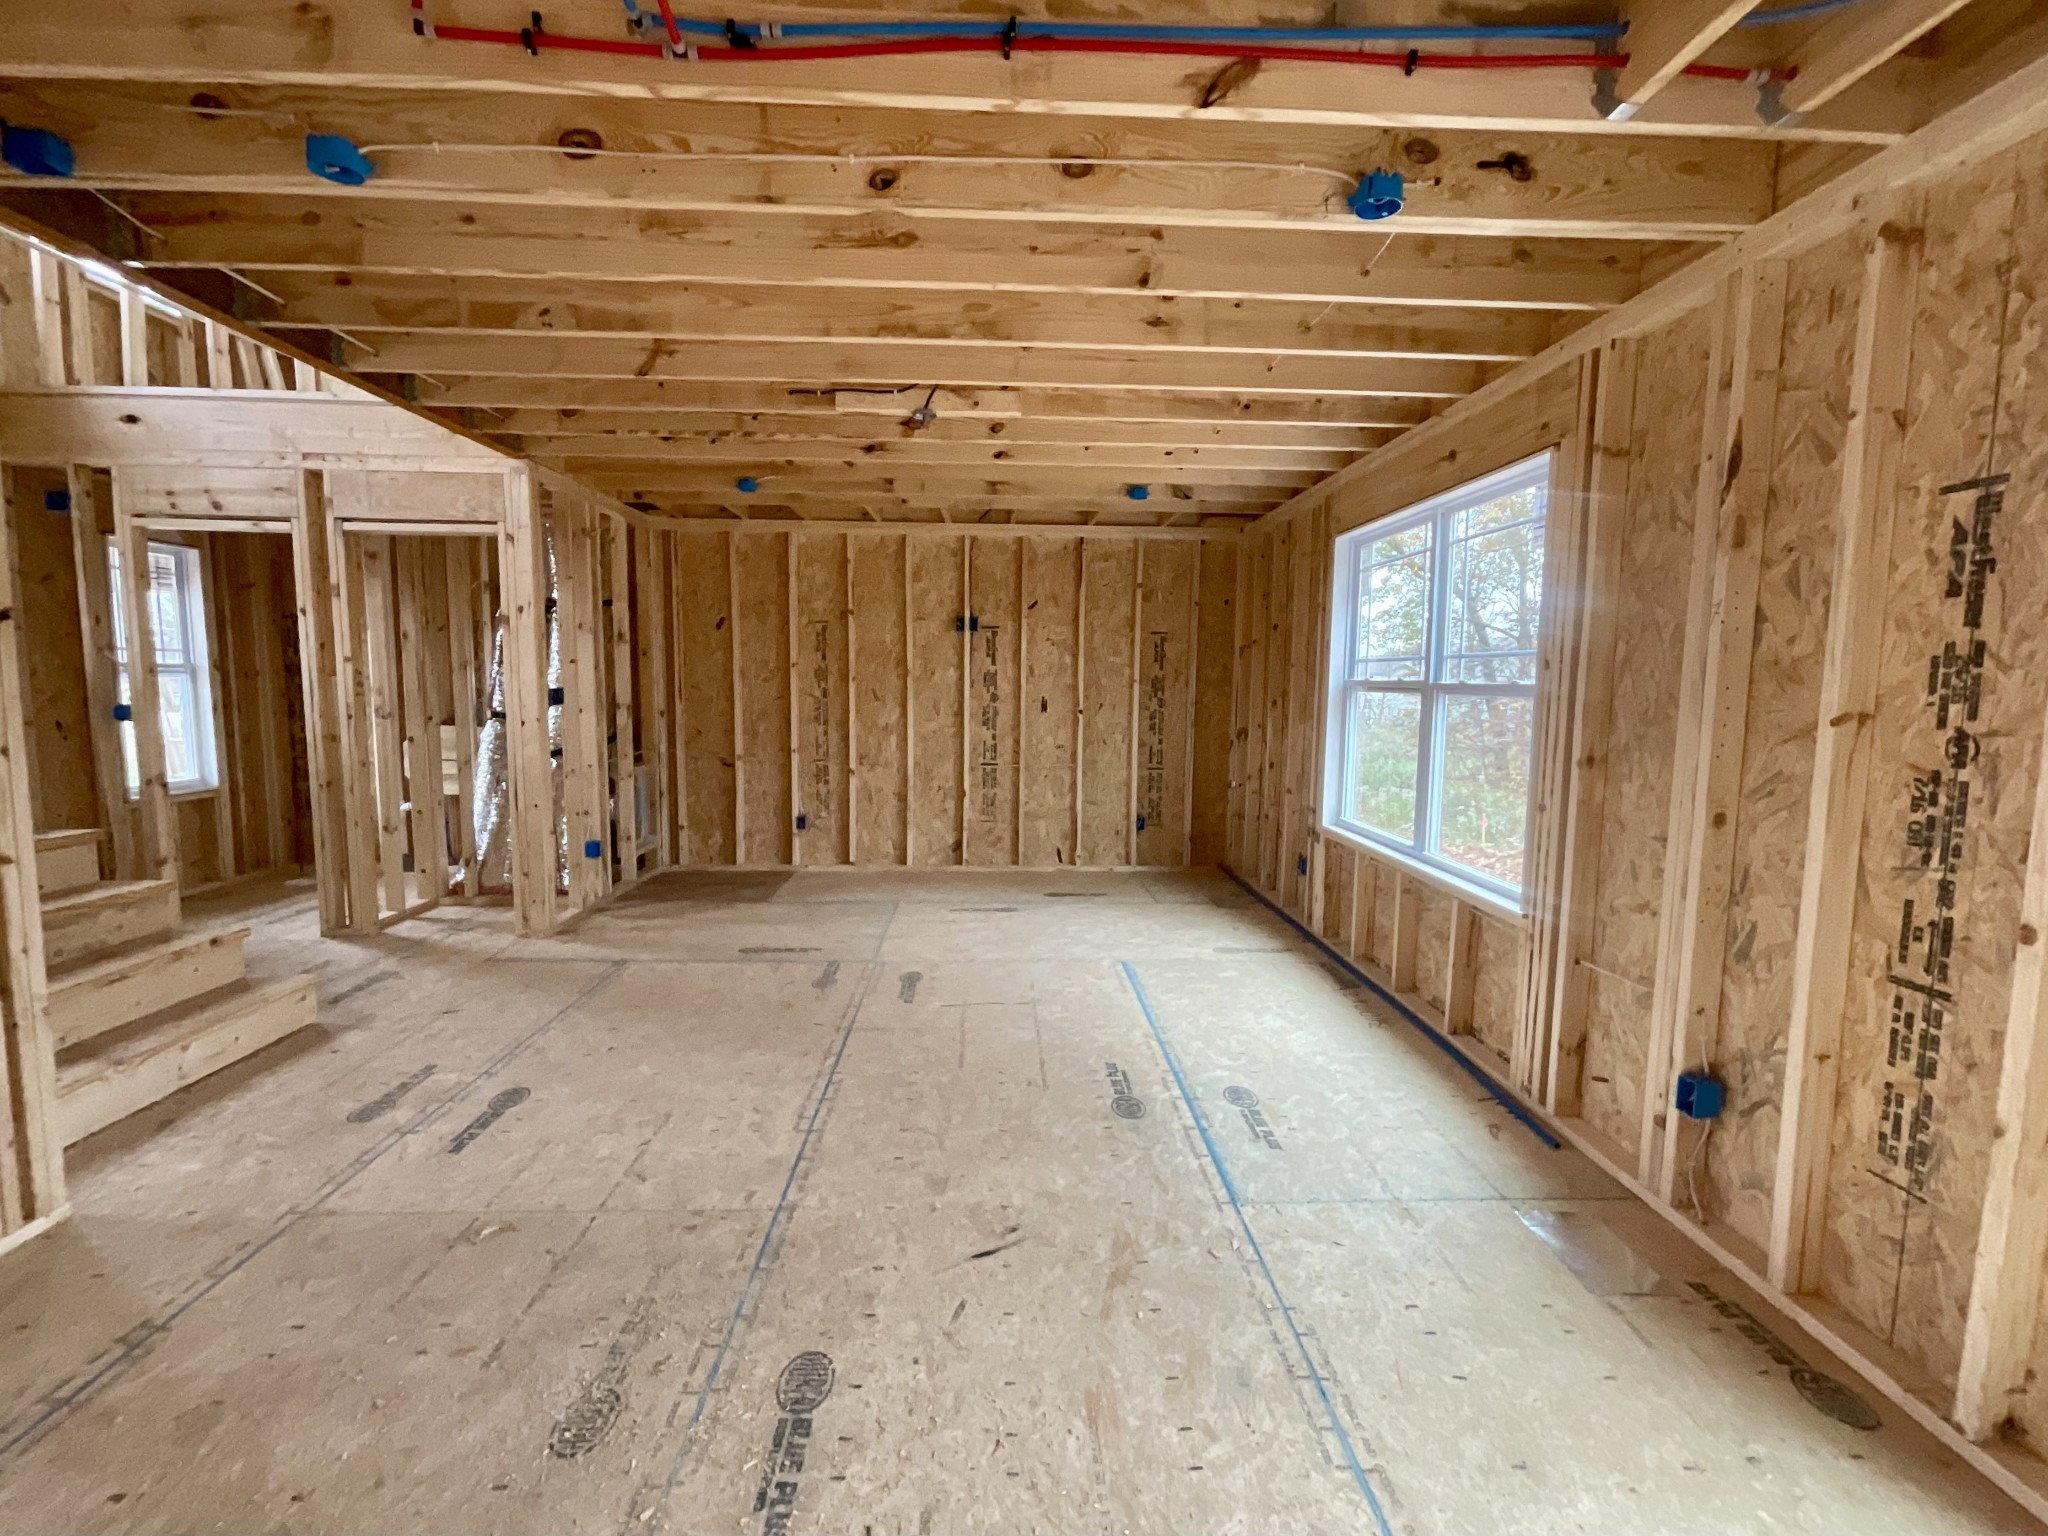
178 796
1488 903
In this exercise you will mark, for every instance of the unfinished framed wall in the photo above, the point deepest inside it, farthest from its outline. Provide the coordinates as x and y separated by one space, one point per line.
1790 820
946 697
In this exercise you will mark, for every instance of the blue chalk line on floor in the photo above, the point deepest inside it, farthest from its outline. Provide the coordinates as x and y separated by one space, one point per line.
1315 1375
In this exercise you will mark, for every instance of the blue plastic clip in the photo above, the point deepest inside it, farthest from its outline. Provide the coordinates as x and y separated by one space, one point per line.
124 712
56 501
1138 492
333 158
1301 866
802 821
746 485
1699 1096
1141 823
593 849
1378 195
556 696
34 151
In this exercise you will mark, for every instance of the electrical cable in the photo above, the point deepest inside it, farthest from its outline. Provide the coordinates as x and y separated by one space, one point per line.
1408 63
826 157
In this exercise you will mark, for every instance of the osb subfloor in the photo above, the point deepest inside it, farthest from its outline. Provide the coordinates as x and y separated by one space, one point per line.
561 1237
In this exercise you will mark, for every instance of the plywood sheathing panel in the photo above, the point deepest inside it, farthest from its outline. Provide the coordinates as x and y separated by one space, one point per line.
1650 610
703 658
1735 1172
1050 724
1903 1212
1496 967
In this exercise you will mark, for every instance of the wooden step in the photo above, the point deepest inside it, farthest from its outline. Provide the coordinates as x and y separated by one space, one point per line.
104 992
114 1075
67 861
105 916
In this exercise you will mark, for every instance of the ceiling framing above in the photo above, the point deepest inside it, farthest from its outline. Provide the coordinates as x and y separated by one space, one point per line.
1060 288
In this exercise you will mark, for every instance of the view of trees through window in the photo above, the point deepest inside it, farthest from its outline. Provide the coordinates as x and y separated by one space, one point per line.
177 622
1436 675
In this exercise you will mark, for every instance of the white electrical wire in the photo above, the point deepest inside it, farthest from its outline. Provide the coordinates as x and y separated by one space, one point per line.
821 157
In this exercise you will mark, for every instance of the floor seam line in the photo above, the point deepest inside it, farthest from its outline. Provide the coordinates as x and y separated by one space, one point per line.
147 1333
656 1518
1315 1375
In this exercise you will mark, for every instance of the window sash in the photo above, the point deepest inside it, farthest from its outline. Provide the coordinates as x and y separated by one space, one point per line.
184 673
1442 671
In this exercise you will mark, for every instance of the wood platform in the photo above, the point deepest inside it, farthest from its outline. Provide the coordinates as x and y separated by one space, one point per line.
139 1007
1023 1203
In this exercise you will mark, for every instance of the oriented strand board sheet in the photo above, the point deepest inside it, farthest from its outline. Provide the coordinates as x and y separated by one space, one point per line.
1736 1171
939 646
1106 638
1656 552
703 656
1217 635
1050 573
1386 910
1953 769
1277 631
818 673
763 640
1432 943
1498 955
1166 627
991 811
63 778
878 678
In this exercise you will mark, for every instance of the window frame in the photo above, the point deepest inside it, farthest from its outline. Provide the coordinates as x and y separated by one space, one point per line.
1432 689
197 669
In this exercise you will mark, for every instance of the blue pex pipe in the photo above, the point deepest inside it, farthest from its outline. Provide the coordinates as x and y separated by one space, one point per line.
1499 1094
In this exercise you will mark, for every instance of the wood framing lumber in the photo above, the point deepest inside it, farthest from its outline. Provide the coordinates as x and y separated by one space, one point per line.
90 527
530 796
1662 39
1864 511
1733 488
1592 702
2012 1233
130 1069
1849 46
2013 109
158 843
31 1165
101 993
881 251
367 47
806 162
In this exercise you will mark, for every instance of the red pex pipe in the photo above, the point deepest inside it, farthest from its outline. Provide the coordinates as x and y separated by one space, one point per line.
903 47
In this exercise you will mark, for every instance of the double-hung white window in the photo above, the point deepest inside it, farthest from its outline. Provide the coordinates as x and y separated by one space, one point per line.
184 682
1433 677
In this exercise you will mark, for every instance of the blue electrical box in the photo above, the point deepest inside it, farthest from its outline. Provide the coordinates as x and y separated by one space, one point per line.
34 151
333 158
1699 1096
1378 195
593 849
